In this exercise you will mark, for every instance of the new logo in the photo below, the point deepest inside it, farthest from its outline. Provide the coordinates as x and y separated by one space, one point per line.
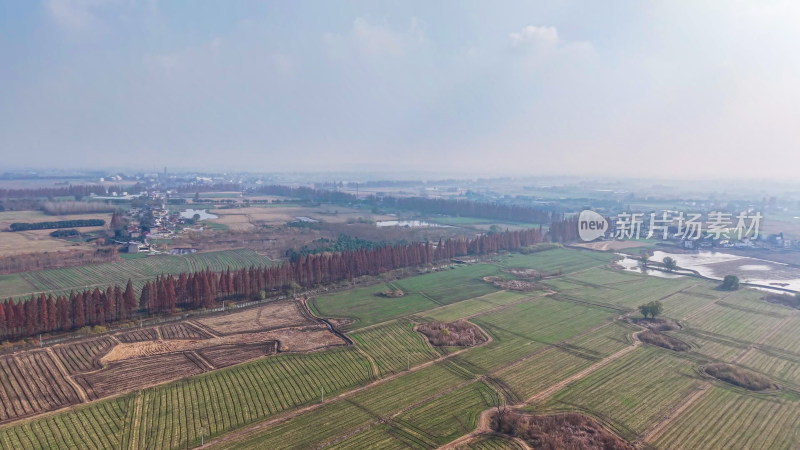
591 225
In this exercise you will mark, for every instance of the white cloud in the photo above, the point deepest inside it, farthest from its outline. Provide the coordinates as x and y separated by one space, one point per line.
374 39
536 36
73 14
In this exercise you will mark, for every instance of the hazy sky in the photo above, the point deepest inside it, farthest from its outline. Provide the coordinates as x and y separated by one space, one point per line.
673 88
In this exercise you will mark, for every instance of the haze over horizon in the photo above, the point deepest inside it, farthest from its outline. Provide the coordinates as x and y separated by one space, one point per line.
704 89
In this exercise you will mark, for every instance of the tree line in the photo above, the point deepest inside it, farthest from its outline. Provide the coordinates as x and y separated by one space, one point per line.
453 207
25 226
79 190
48 313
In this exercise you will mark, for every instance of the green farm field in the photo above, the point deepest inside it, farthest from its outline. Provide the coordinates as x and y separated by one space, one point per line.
570 349
137 269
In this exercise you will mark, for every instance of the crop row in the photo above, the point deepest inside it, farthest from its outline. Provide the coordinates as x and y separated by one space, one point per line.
734 323
227 399
31 383
171 415
473 306
729 419
101 425
343 416
524 328
394 346
633 392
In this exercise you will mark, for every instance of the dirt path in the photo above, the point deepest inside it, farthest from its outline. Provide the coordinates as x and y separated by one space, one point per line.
78 389
655 432
137 418
483 421
159 335
583 373
240 434
207 363
372 362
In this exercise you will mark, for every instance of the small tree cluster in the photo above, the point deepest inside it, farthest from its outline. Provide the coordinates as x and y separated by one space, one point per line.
729 283
651 309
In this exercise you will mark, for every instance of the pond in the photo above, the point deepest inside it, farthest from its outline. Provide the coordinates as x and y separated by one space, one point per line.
718 264
203 213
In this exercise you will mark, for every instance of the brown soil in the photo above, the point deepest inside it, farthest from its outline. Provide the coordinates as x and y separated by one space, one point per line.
514 285
292 339
559 431
452 334
663 340
273 315
740 377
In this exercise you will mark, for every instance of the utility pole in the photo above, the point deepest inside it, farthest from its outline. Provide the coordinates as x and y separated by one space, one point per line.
322 390
40 340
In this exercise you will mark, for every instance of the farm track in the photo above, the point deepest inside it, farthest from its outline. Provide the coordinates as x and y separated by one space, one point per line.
60 366
207 366
239 434
483 423
375 372
138 405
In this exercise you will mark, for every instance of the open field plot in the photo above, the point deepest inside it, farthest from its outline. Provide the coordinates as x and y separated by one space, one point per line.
731 321
135 359
628 294
183 330
34 241
559 259
84 355
368 308
394 345
778 365
633 392
125 376
273 315
101 425
171 415
139 270
228 355
684 303
732 419
788 337
491 442
344 416
446 418
137 335
710 345
477 305
532 375
227 399
247 219
31 383
429 425
524 328
450 286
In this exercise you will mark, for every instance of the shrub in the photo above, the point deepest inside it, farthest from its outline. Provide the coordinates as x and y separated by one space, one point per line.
740 377
730 283
559 431
663 340
452 334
